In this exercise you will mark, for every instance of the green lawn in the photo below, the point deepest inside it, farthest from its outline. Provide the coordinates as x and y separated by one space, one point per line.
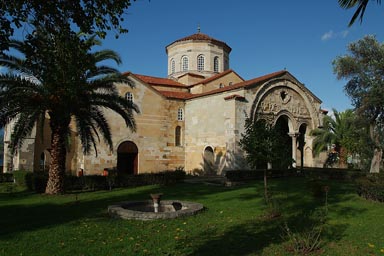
232 223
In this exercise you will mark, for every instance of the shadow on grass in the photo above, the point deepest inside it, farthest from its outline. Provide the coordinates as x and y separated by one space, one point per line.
25 211
257 236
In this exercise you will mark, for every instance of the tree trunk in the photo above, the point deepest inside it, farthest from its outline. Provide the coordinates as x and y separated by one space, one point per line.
378 152
55 183
376 161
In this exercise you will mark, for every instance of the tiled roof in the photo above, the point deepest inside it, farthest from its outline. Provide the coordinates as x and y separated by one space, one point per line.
202 37
234 96
212 78
244 84
176 95
159 81
186 95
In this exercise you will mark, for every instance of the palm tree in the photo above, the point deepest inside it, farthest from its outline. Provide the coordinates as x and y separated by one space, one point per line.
336 131
61 81
361 6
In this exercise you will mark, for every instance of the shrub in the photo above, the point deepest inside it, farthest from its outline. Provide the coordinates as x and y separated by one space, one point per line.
37 181
6 177
371 187
21 178
307 240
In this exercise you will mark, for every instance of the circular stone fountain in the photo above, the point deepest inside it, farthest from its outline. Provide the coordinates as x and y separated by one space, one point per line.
154 209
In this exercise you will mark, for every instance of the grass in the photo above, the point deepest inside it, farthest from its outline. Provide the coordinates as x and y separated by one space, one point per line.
232 224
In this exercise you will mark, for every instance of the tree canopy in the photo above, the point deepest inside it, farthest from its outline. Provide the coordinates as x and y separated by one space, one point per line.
262 143
363 69
88 16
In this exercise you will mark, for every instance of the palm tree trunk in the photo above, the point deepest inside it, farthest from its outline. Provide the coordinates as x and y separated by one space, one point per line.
55 183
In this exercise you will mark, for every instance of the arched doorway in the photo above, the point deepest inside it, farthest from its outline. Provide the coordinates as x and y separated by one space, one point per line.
208 160
285 140
127 158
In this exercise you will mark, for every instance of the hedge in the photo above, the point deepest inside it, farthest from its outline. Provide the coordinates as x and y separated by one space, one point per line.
245 175
6 177
37 181
371 187
313 173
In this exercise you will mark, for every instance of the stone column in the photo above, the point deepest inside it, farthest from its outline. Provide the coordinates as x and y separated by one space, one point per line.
294 136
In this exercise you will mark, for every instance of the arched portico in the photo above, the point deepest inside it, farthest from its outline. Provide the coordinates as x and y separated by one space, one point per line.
288 104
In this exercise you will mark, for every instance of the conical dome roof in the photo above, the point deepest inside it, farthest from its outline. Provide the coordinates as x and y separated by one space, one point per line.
205 38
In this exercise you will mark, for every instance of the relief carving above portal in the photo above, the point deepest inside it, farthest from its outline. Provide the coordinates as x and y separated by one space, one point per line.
283 99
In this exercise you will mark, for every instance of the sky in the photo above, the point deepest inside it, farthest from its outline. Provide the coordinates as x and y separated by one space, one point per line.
303 37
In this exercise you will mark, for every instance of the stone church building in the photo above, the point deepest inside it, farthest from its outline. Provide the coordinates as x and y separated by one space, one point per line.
193 119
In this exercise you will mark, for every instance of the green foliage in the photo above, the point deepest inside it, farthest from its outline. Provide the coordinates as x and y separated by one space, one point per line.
363 70
88 16
114 179
333 174
6 177
308 239
58 76
262 144
340 131
248 175
371 187
21 178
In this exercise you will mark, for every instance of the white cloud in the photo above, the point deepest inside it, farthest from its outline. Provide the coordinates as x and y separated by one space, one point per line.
331 35
327 36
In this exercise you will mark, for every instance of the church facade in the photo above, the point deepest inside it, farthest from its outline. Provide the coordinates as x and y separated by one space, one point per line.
192 119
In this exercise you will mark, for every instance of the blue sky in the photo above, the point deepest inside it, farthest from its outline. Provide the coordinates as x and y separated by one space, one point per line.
265 36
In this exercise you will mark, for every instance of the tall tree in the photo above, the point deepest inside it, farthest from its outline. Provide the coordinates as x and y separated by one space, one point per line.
88 16
263 144
363 69
58 76
360 10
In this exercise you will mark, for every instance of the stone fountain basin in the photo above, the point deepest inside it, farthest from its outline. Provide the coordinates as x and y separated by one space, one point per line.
144 210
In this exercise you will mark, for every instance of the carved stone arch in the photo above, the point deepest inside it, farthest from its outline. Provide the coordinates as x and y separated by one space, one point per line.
285 84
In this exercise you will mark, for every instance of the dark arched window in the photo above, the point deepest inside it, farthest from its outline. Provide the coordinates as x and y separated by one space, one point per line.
178 136
216 64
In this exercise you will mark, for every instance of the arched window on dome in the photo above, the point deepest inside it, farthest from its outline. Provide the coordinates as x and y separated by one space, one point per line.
184 63
172 66
200 62
216 64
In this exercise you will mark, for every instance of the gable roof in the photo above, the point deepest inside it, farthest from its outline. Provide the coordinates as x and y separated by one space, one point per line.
217 76
245 84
